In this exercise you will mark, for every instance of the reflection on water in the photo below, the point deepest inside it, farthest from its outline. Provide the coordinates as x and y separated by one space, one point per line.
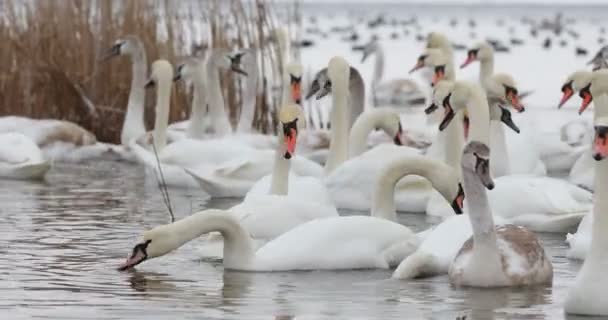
62 240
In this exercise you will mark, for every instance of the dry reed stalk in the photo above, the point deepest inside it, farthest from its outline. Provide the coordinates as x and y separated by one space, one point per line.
49 65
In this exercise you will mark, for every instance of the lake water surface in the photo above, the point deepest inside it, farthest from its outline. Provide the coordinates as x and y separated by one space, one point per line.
62 240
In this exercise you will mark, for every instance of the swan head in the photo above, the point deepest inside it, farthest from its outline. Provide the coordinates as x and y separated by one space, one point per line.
155 243
600 142
437 40
161 72
576 81
225 60
186 70
129 45
429 58
505 87
338 72
288 117
482 51
321 85
388 120
293 71
476 159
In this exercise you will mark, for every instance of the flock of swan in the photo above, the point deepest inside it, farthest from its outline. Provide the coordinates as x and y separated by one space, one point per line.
292 189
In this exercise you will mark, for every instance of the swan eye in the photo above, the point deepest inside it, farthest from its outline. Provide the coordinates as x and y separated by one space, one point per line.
294 79
567 87
585 91
510 91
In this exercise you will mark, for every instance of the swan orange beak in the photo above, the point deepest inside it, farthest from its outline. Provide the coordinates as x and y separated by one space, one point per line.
419 65
512 96
600 143
290 143
438 76
585 93
568 93
470 58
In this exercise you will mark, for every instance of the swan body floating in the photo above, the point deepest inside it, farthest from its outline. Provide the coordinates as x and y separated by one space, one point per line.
20 158
397 92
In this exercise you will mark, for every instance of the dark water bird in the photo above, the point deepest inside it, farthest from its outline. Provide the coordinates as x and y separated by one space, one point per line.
517 41
534 32
420 38
497 45
547 43
352 38
600 60
459 46
472 23
304 43
573 34
394 35
581 51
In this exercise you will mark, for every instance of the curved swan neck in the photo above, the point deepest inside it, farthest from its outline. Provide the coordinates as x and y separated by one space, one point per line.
383 201
357 96
479 115
133 126
219 119
196 128
279 184
480 216
249 97
338 148
163 102
238 246
378 66
365 124
486 69
454 143
499 157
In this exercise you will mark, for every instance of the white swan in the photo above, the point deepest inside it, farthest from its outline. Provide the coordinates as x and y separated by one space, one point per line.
582 172
193 70
20 158
62 140
502 89
243 169
133 125
397 92
597 91
587 296
493 257
351 242
270 210
350 181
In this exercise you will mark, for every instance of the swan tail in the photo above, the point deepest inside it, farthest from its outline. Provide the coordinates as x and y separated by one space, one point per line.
418 265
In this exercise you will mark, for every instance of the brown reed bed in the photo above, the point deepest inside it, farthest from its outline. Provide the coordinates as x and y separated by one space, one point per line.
49 63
